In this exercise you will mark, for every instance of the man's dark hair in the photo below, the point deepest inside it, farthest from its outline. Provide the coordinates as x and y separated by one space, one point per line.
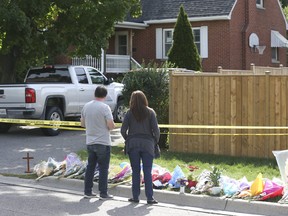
100 92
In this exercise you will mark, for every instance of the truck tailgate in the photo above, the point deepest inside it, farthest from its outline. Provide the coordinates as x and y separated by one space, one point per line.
12 95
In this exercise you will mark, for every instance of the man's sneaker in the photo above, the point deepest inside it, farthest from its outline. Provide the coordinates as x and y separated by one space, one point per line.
89 196
151 202
105 196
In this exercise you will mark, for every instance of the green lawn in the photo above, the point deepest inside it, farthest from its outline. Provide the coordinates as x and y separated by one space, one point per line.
234 167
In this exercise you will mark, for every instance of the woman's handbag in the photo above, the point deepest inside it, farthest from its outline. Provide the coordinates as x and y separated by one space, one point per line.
157 151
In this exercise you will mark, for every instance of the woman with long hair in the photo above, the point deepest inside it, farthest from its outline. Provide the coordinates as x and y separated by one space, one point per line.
141 132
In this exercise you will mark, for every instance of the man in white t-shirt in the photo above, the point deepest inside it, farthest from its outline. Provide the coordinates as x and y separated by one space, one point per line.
97 118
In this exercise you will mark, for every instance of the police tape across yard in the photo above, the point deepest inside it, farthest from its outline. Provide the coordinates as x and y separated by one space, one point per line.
74 125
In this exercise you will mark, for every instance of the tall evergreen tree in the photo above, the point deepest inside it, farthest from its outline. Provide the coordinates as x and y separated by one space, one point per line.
184 52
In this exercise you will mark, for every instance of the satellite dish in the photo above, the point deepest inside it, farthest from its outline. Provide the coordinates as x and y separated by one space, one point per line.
253 40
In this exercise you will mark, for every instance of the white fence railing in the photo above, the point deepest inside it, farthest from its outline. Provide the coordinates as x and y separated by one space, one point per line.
90 61
114 63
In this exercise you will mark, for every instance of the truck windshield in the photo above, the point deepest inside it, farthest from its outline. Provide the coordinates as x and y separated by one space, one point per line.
48 75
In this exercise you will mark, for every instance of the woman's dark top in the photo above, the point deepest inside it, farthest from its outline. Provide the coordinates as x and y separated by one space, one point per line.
142 134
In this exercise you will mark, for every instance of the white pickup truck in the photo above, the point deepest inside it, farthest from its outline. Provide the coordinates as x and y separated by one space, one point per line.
57 92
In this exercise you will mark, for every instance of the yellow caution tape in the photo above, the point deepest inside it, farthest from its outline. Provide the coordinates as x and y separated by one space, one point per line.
73 125
39 122
228 134
43 122
223 127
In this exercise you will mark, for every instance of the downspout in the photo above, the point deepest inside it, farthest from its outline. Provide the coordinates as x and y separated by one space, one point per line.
244 29
130 41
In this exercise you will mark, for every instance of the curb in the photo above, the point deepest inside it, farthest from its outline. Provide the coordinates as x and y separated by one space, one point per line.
169 197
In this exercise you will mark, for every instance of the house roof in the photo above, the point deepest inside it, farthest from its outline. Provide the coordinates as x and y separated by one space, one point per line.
157 10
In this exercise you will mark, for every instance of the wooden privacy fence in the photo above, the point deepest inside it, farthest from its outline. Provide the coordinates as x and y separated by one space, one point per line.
241 98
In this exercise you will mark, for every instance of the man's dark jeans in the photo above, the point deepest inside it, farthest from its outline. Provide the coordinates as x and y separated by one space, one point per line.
97 154
135 156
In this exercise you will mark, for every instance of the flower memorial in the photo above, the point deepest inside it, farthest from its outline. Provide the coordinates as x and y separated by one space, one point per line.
260 189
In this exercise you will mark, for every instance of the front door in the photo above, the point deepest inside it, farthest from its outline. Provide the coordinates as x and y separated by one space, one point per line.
121 43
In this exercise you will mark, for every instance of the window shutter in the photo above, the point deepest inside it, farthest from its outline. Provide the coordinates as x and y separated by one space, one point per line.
159 42
204 41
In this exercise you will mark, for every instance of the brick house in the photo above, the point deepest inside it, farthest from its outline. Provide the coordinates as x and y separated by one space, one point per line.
228 33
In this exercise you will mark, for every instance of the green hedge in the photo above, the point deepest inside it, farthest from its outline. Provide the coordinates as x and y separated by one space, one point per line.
154 82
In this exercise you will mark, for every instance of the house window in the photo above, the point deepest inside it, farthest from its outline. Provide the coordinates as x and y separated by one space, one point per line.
275 54
260 3
197 39
167 41
164 41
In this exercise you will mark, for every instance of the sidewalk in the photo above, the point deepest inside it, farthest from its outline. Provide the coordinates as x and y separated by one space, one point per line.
197 201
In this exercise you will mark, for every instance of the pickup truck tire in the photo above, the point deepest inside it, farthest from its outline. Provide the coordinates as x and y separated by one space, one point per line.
120 111
4 127
53 114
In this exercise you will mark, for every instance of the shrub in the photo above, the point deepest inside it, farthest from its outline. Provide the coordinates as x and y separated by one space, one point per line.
154 82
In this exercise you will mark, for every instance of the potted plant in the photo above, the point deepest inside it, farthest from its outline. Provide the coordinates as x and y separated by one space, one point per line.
191 180
215 176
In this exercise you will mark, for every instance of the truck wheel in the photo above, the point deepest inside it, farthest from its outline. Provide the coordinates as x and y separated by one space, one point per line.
4 127
120 111
53 114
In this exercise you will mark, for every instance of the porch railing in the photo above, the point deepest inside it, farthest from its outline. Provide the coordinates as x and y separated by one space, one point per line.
117 63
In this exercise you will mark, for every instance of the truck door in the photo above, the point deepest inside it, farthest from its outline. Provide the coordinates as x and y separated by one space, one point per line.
97 78
86 91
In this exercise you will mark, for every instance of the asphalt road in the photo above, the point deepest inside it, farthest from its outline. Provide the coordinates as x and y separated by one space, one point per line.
15 144
34 201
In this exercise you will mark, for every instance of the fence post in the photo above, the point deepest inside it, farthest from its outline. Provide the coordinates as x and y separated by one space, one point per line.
103 61
219 69
252 68
171 109
281 67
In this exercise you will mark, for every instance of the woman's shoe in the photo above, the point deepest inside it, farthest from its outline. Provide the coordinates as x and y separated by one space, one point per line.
151 202
133 200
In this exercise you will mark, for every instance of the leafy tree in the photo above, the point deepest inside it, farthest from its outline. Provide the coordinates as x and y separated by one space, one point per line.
285 11
184 53
35 31
284 3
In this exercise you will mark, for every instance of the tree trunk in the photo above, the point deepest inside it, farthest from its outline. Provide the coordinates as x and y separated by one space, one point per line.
7 68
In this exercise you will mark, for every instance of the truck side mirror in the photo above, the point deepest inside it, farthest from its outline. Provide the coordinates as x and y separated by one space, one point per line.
107 81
